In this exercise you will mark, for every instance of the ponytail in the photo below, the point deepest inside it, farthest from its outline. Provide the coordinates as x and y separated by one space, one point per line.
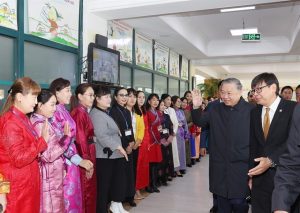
8 104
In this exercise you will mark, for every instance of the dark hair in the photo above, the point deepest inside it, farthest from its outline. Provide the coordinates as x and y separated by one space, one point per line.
160 101
99 92
268 78
117 90
298 87
286 87
183 98
140 111
24 86
164 96
132 91
43 97
220 84
59 84
80 89
152 95
173 100
187 92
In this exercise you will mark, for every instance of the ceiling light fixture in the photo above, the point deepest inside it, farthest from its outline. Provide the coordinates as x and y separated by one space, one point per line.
237 9
239 32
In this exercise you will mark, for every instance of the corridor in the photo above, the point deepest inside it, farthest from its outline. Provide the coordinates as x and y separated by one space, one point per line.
183 195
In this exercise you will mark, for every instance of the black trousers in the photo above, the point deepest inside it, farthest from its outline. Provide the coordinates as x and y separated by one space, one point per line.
237 205
170 160
164 165
111 184
130 176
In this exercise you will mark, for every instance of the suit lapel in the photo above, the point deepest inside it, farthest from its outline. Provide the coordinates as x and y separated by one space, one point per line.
277 115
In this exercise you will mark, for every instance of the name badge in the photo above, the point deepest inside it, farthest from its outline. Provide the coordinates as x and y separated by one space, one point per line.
127 132
165 131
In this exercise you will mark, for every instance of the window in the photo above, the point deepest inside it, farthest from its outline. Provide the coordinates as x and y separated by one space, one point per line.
7 58
44 64
143 81
173 87
160 85
184 86
125 76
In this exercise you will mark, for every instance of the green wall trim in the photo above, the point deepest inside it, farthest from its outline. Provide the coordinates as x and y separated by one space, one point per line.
6 83
8 32
48 43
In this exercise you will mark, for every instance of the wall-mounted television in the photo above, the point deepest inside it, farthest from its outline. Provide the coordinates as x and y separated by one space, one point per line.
103 65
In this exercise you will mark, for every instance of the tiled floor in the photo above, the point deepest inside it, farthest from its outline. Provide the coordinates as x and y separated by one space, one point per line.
183 195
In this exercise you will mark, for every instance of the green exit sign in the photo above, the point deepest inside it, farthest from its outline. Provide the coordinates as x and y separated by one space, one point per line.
251 37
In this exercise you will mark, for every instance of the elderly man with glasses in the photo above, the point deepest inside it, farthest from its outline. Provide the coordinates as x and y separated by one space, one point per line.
269 128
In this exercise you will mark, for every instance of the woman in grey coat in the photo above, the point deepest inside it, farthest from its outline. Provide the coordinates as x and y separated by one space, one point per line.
110 156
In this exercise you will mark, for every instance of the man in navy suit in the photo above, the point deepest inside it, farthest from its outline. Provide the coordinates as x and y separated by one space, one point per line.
269 128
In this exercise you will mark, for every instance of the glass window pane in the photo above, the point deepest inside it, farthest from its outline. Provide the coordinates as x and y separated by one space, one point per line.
160 85
125 76
7 58
44 64
143 81
183 87
3 94
173 87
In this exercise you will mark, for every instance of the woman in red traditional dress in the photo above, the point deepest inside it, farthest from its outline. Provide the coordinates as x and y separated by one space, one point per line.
155 155
85 144
20 147
142 173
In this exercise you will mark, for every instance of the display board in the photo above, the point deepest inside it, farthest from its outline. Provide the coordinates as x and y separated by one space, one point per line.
161 58
8 14
120 38
55 20
143 51
185 68
174 64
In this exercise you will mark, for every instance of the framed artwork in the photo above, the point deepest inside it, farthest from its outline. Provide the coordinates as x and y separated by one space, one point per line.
143 51
8 14
161 58
185 68
54 20
120 38
174 64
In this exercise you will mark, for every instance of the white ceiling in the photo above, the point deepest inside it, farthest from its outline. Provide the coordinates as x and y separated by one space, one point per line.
197 30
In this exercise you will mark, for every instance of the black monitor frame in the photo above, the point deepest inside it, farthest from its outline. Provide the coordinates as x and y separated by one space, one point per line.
91 47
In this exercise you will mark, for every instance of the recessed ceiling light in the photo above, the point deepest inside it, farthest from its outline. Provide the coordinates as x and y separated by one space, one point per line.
237 9
239 32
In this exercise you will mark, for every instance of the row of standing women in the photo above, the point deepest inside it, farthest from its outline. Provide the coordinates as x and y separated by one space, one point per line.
56 161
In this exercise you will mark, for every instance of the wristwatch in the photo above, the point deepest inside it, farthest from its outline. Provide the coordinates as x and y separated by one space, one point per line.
273 164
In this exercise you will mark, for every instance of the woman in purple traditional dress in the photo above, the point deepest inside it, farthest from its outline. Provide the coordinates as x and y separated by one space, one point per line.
72 186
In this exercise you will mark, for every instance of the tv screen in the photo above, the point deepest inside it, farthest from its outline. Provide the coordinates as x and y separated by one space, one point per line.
104 65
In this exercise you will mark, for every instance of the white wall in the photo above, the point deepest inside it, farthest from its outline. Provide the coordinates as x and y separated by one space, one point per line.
92 25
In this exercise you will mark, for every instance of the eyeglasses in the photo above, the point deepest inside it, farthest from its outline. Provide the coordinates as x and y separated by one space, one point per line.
123 95
258 90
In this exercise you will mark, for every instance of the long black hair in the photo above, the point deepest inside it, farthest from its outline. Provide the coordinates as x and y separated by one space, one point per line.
152 95
139 110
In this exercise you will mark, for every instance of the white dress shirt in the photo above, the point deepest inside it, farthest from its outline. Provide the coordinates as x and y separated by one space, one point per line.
272 111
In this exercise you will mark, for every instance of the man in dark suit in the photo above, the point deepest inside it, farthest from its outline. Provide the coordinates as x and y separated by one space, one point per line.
229 124
269 128
287 185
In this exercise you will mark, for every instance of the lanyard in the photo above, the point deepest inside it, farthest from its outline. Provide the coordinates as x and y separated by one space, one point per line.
127 126
26 124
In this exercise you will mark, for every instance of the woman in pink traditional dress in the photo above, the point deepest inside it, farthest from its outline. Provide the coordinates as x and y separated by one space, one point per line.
85 144
52 159
72 186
